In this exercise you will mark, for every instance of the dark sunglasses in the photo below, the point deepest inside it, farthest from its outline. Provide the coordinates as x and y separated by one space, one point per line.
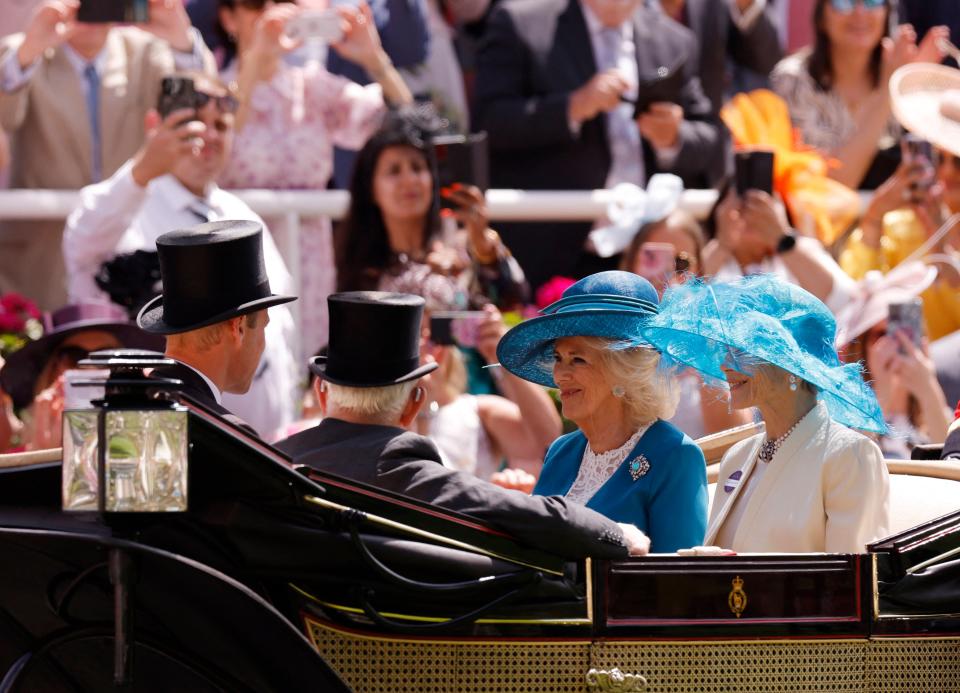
847 6
224 104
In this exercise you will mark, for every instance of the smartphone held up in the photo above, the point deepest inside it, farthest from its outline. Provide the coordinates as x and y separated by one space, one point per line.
753 171
460 159
906 317
918 156
324 26
114 11
456 327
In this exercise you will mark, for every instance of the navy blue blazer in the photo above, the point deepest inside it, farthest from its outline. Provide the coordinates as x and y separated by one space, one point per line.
668 503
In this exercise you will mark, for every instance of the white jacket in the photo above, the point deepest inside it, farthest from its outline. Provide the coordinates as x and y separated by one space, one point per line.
826 490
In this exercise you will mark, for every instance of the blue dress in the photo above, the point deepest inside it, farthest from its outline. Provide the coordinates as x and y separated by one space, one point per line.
668 503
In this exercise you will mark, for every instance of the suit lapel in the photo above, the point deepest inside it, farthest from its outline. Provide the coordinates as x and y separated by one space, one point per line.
65 88
574 38
800 439
728 499
114 99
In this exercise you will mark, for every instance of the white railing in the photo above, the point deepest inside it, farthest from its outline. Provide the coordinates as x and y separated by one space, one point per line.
515 205
292 205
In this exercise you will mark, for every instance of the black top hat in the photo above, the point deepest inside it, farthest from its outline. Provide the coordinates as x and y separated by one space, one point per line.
211 273
19 375
374 340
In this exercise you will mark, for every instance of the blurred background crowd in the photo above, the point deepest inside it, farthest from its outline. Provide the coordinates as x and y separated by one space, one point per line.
156 118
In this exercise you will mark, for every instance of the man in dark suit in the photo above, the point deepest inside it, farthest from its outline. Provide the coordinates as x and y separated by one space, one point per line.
368 394
741 31
213 310
554 82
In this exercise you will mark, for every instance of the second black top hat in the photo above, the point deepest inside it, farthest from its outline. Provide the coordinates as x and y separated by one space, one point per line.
211 273
374 340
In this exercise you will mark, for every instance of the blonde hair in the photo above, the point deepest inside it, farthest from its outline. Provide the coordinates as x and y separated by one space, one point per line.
650 392
382 405
205 338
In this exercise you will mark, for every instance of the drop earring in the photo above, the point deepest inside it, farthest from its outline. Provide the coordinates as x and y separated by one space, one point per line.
793 383
618 391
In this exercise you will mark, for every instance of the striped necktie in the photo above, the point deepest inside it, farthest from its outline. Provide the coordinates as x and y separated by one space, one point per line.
93 113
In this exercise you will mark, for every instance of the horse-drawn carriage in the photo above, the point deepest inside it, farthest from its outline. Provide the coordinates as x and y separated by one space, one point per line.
164 549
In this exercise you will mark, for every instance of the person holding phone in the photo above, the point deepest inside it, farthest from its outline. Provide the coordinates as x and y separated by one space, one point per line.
291 116
72 99
882 327
395 239
905 211
837 89
624 460
752 235
171 184
558 88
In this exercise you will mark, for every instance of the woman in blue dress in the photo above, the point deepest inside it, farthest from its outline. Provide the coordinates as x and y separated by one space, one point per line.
624 460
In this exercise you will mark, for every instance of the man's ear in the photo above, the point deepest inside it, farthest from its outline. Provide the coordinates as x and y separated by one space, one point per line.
412 408
237 328
320 390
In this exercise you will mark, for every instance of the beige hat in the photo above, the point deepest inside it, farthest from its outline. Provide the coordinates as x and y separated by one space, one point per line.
870 303
926 101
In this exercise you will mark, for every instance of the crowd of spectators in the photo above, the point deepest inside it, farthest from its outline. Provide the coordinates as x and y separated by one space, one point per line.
572 95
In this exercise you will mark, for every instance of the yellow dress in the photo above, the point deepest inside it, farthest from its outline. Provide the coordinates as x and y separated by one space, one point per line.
902 234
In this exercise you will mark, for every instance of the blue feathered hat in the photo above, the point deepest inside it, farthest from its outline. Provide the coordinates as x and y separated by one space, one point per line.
611 304
762 318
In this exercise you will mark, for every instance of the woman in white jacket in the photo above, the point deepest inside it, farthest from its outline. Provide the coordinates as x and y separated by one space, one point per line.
809 482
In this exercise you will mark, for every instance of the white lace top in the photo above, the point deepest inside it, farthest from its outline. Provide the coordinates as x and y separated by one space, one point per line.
597 468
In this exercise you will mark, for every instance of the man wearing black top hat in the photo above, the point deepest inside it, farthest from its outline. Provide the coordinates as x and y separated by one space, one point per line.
213 309
368 393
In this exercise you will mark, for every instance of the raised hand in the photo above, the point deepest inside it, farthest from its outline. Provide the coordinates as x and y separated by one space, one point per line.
361 41
177 135
599 95
660 124
169 21
52 24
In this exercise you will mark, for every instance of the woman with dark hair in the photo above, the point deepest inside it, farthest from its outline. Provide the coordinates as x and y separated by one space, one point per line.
396 239
837 88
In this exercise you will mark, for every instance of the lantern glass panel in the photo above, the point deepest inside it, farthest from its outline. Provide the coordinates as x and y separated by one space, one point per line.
146 461
79 481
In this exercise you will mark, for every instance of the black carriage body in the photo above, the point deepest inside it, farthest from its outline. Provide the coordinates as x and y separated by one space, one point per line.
281 578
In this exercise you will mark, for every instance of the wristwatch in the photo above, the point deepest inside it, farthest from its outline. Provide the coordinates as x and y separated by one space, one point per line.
786 243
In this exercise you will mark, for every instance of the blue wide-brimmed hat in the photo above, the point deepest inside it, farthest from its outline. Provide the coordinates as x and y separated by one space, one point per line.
612 305
762 318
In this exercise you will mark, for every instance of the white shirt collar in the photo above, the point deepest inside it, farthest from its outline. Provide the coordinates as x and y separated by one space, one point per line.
595 26
213 388
176 196
80 63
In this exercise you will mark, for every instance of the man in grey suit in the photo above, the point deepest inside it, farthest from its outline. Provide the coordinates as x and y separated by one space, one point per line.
368 394
564 90
72 98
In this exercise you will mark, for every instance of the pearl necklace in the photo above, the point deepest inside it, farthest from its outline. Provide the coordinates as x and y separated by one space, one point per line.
770 447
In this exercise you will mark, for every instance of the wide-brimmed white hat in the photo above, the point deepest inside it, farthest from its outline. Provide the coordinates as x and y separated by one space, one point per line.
870 304
926 101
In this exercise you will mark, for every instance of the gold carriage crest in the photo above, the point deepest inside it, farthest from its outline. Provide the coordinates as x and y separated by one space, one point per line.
737 599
